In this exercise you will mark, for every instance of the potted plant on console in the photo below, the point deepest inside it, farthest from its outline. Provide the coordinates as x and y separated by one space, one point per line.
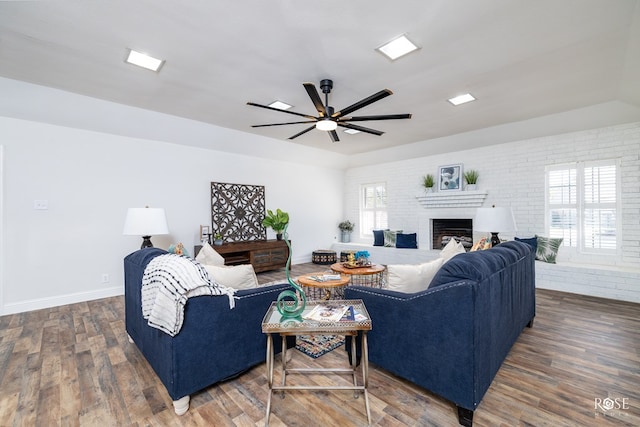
471 176
276 221
346 227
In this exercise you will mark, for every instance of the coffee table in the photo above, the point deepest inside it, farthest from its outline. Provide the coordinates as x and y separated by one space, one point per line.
313 287
274 324
372 275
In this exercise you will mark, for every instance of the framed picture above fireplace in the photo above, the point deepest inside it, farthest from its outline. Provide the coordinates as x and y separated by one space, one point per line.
450 178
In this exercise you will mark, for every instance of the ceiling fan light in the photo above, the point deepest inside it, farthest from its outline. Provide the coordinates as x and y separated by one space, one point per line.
143 60
326 125
397 47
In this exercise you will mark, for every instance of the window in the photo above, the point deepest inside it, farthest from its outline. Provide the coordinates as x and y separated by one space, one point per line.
373 208
582 205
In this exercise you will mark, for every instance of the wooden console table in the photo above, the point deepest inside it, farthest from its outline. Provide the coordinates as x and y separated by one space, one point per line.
264 255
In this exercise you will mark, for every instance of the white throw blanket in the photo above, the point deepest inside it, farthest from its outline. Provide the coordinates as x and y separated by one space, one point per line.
168 281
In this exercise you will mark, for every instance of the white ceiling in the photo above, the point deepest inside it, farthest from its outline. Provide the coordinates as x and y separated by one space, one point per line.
522 59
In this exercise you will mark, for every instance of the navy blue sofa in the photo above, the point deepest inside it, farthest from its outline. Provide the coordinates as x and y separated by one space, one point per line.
452 338
215 342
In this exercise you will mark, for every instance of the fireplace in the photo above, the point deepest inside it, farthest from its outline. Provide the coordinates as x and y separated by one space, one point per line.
443 230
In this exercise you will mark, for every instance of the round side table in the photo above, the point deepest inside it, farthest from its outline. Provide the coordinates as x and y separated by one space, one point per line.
372 275
322 289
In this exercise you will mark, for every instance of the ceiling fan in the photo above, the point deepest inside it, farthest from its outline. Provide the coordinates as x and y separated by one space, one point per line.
328 119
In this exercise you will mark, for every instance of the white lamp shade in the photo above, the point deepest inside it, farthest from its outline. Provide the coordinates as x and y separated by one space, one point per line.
145 222
494 220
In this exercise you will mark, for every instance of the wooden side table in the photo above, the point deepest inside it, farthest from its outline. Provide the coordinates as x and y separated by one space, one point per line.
273 324
372 276
321 289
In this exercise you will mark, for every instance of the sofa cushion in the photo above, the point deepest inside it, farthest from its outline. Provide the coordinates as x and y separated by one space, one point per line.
209 256
411 278
547 249
390 237
234 276
378 237
451 249
407 241
531 241
481 245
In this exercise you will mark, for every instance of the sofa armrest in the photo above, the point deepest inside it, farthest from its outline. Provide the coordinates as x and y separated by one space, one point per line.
428 337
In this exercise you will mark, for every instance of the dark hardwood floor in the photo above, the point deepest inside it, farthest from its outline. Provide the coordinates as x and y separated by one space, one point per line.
73 366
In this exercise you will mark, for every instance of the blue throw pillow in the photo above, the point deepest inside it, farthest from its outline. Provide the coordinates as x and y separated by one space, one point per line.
378 238
531 241
407 241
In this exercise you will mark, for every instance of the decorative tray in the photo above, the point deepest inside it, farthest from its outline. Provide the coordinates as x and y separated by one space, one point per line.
356 265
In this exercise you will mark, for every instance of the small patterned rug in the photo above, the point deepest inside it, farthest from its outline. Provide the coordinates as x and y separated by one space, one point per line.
317 345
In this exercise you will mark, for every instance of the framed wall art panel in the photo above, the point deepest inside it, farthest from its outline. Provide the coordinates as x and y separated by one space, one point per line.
450 178
237 211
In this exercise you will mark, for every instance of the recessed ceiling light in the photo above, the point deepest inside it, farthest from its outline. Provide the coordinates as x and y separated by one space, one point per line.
461 99
397 47
144 60
351 131
280 105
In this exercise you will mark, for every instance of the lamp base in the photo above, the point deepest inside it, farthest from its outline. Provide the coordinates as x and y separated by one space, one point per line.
146 242
495 240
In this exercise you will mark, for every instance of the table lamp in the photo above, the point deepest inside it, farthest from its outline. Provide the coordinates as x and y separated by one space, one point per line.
145 222
494 220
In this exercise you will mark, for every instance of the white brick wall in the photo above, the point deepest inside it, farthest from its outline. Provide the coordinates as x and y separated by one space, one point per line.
513 175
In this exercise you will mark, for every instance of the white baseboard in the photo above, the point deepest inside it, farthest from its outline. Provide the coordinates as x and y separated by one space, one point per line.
40 303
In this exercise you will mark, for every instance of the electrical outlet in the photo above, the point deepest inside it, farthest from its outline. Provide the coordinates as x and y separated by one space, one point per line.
105 278
40 205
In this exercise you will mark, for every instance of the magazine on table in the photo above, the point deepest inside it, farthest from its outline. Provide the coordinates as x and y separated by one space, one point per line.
325 277
349 315
327 312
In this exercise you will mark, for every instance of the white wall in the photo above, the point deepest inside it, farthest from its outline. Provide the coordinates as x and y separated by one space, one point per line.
89 179
513 174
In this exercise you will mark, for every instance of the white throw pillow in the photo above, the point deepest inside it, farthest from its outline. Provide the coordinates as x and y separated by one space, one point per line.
452 249
209 256
411 278
234 276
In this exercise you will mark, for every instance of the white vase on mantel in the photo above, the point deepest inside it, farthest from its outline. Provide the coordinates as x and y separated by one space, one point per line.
471 187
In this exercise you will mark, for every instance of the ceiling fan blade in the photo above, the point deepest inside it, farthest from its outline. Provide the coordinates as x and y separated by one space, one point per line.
382 117
315 98
253 104
280 124
303 132
363 103
360 128
334 136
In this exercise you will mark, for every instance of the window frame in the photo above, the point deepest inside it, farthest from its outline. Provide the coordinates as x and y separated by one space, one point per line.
580 249
377 224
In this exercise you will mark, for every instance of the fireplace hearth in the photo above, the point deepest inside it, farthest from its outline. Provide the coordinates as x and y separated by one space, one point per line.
445 229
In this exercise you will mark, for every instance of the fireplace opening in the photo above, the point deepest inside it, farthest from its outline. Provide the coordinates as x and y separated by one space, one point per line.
443 230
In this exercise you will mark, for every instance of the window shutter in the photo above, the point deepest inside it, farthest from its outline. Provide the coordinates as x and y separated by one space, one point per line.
600 202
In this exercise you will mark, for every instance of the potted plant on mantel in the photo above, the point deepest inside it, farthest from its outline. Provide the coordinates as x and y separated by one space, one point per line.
276 221
471 176
428 183
346 227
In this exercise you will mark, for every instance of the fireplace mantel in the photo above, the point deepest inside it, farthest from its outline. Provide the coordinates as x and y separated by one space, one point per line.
454 199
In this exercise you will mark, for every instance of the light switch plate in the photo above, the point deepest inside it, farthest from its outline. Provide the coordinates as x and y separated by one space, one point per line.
40 205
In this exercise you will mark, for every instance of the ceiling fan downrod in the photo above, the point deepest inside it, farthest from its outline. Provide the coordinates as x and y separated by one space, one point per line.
326 85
